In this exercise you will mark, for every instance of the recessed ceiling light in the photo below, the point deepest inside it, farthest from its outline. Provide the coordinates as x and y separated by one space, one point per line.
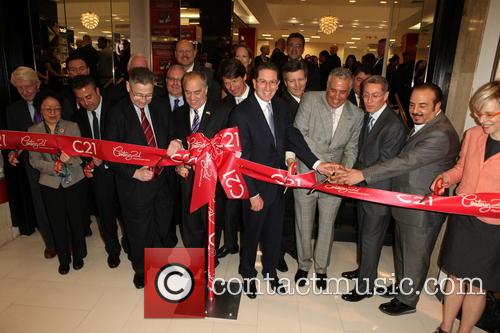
356 20
350 42
352 1
106 32
316 37
307 39
122 20
367 26
301 24
355 38
353 47
392 40
266 35
383 2
384 21
284 35
301 30
381 27
114 14
294 18
235 34
303 0
395 2
341 25
269 38
82 32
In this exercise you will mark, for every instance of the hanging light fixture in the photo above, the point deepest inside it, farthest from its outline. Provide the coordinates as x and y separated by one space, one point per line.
328 24
89 20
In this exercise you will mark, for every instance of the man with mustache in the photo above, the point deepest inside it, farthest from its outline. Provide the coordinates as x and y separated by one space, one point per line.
430 149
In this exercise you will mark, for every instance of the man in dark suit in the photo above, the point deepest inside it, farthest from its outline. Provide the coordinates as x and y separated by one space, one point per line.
89 53
382 137
360 74
266 131
430 149
294 75
185 54
295 48
102 183
173 82
234 77
143 192
76 65
26 198
278 56
379 64
198 115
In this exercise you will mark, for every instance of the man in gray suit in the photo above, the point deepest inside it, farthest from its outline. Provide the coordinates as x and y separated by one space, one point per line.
330 125
431 148
382 137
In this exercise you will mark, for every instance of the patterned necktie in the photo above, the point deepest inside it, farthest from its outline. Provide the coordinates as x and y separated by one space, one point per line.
147 129
196 122
95 126
176 104
371 121
270 120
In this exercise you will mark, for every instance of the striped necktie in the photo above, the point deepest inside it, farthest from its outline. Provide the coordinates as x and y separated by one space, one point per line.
196 122
147 129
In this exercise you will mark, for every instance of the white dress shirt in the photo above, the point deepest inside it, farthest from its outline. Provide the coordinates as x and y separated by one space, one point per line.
98 114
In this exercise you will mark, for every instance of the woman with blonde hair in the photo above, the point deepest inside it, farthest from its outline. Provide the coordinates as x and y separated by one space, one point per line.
471 248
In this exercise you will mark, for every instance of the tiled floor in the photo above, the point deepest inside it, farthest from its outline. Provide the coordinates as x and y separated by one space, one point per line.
35 298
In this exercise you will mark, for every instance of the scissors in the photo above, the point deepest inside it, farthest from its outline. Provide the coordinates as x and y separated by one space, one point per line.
315 186
437 189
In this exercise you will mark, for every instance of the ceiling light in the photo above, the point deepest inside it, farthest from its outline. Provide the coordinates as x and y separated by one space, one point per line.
383 2
235 34
122 20
356 20
341 25
353 47
269 38
352 1
384 21
328 24
82 32
266 35
367 26
392 40
315 37
307 39
355 38
294 18
301 30
301 24
106 32
350 42
287 35
89 20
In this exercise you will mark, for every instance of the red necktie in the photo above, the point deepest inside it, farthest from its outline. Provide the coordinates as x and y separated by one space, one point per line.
147 129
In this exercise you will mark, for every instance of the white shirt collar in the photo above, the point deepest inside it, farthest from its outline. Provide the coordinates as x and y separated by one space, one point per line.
262 103
190 68
420 126
172 101
294 97
377 113
200 113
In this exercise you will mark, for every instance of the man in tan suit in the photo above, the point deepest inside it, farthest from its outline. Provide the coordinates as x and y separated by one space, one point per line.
330 125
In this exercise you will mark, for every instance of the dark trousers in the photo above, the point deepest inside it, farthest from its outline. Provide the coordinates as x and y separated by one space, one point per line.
232 223
39 206
413 249
106 200
264 227
371 233
147 217
289 242
64 210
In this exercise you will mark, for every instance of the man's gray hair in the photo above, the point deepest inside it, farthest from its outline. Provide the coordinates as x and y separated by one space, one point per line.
24 73
141 75
193 74
340 73
377 79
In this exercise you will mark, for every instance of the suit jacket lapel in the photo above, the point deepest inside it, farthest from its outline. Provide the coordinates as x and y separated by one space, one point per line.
426 127
205 119
379 124
261 119
326 116
27 115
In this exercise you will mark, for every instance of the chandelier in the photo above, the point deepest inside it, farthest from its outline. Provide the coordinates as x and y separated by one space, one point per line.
89 20
328 24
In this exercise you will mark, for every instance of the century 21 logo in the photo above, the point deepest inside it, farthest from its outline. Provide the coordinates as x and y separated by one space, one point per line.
85 147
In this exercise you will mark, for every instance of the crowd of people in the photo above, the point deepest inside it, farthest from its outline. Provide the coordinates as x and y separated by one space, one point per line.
333 119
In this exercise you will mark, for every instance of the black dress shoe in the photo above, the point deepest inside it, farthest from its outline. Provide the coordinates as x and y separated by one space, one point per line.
63 269
396 308
388 291
301 278
350 274
320 281
249 288
282 266
223 251
113 260
353 296
439 330
277 286
49 253
77 264
139 280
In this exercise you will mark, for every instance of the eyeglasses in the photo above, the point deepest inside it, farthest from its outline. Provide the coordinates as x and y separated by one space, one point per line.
374 96
52 110
175 79
488 116
141 96
264 82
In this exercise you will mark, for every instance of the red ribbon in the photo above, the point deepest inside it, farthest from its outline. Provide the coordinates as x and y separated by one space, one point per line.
215 159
